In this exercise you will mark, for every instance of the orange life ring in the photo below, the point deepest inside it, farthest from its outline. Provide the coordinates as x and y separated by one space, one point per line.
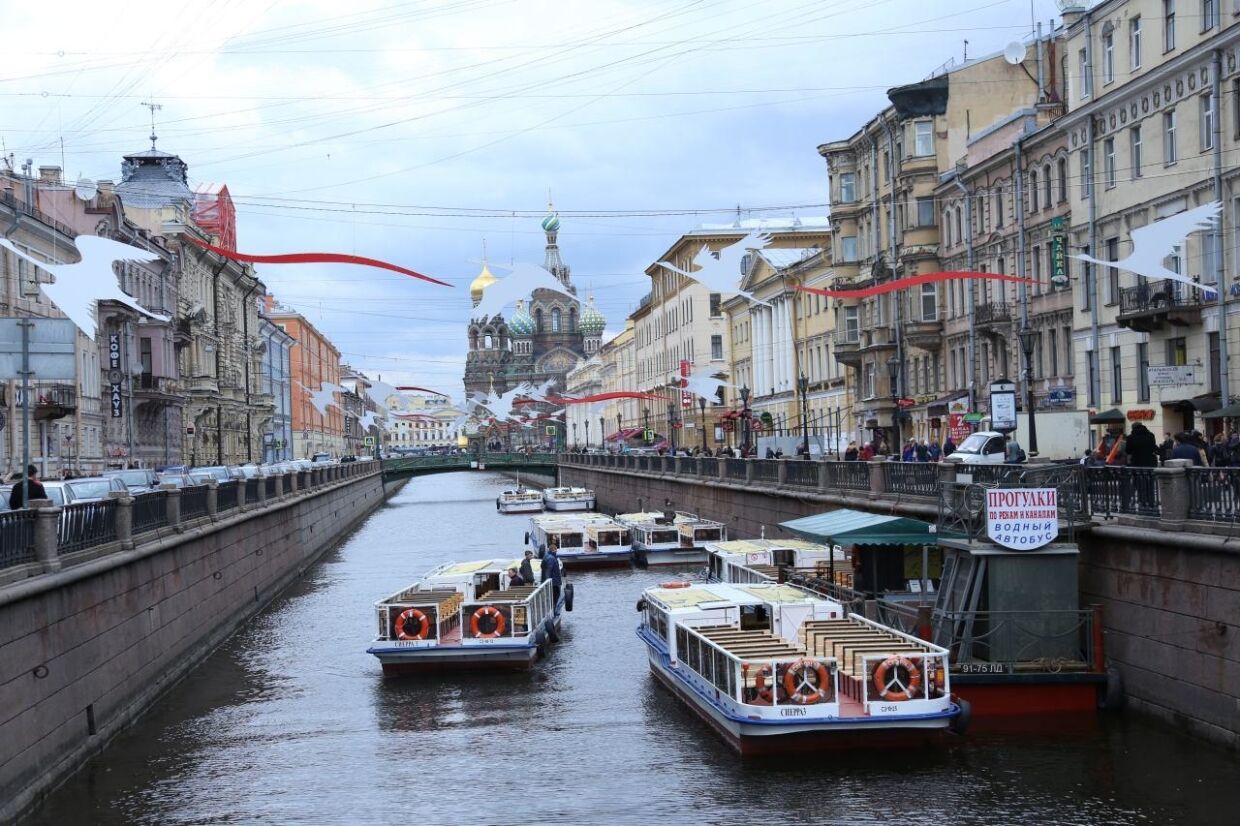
801 689
765 692
496 615
424 624
887 678
677 583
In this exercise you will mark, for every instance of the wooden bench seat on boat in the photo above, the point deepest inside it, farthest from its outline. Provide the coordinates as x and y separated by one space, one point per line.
518 594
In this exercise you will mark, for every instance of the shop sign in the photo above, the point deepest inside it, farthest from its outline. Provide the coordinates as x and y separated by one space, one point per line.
1171 375
114 351
1003 406
1059 260
1060 394
973 418
1022 519
1140 415
905 403
117 400
686 397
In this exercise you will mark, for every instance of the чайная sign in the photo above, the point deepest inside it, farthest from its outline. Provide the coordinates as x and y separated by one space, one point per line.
1022 519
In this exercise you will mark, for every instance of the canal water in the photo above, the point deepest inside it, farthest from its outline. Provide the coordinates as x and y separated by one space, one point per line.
290 722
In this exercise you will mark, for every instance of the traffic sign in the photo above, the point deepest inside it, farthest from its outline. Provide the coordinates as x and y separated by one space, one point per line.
369 441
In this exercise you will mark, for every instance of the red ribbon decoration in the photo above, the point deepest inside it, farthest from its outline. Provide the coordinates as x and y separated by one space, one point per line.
424 390
914 281
602 397
312 258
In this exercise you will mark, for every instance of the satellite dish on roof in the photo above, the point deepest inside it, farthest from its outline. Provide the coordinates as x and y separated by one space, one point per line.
85 188
1014 53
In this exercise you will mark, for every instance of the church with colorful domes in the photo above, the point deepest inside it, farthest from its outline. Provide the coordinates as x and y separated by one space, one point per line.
544 336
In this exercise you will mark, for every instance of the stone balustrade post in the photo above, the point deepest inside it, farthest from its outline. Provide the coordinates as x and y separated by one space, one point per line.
241 502
124 518
723 466
292 483
749 471
213 498
781 472
46 534
262 491
280 485
824 477
877 485
172 506
947 472
676 465
1173 495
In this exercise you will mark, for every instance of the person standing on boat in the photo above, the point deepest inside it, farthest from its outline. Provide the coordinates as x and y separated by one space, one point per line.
515 579
527 568
551 571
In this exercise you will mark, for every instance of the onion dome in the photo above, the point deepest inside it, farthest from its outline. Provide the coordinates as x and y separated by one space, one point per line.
484 280
592 321
552 222
521 323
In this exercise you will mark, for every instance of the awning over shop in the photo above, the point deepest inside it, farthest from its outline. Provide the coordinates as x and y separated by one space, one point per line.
1231 411
1202 404
850 527
1112 416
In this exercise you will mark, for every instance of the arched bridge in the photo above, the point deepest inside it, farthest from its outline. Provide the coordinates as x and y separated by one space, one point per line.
406 466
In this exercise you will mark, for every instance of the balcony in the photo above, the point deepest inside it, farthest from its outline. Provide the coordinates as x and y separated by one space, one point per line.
155 389
994 318
927 335
877 339
203 385
53 401
1149 307
847 347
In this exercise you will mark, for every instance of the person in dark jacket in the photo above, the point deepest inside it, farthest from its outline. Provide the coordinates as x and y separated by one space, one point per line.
1185 449
949 447
527 568
17 499
551 571
850 455
515 579
1142 447
1164 449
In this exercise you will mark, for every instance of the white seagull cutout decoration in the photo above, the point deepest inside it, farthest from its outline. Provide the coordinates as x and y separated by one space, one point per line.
324 397
78 286
721 272
368 420
1152 244
521 283
500 405
705 386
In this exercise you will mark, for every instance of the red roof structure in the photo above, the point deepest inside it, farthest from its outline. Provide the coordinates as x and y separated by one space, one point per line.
215 213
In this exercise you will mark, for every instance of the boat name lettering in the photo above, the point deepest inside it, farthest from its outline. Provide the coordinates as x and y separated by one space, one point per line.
793 712
889 709
982 668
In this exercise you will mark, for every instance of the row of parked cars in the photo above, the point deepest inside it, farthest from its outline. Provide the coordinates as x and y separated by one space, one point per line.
138 481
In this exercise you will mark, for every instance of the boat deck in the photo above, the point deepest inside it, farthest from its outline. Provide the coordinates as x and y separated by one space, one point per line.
850 642
518 594
755 645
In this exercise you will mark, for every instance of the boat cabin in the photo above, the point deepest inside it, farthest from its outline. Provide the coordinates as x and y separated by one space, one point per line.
762 560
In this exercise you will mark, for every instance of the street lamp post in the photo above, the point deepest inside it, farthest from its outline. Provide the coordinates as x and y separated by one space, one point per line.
619 430
803 386
671 425
646 418
587 433
702 407
574 434
745 420
602 433
893 367
1026 344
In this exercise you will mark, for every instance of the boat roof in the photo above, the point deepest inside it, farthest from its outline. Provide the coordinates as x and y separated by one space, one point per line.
739 547
568 490
691 598
478 566
558 521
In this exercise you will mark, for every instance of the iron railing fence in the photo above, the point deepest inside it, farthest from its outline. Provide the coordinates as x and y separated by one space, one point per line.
17 537
150 511
193 502
736 469
226 496
84 524
911 478
1214 494
802 474
1115 490
766 470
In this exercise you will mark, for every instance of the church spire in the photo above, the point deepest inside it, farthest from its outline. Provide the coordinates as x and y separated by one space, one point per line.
553 263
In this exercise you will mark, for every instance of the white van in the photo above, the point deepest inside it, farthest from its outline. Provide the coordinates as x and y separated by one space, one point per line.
985 447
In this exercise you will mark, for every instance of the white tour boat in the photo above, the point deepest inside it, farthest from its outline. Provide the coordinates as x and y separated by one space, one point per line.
519 500
464 615
582 540
680 541
773 668
568 499
760 560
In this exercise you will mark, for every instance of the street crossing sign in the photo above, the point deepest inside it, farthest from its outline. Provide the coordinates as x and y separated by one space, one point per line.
369 441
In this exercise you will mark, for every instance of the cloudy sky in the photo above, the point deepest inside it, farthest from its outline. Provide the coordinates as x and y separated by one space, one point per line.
416 131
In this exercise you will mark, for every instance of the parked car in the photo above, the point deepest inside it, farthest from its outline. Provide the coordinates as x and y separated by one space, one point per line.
344 459
54 490
985 447
138 480
249 471
321 457
181 480
200 476
219 473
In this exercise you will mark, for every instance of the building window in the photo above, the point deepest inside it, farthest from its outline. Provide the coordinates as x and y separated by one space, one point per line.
1046 187
999 207
868 391
929 302
1108 56
959 227
1134 43
1177 352
1063 179
852 325
1117 388
1069 368
1036 258
1169 153
848 187
1033 190
848 248
716 348
1207 121
1235 103
1086 183
1092 364
1143 372
925 212
1086 275
1134 145
1215 362
1052 350
716 305
1209 8
1083 62
555 319
1168 25
538 320
1112 254
1108 162
923 138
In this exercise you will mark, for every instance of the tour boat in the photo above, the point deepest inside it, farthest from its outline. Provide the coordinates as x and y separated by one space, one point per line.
774 668
568 499
582 540
464 615
760 560
519 500
678 541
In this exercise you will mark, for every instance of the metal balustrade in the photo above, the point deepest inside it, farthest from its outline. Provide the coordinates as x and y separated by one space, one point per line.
271 482
17 537
226 496
1114 490
736 469
766 470
193 501
1214 494
150 511
911 478
86 523
251 490
848 475
802 474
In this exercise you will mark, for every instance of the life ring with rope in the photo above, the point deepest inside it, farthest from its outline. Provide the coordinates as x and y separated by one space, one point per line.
897 678
423 624
487 615
675 583
807 682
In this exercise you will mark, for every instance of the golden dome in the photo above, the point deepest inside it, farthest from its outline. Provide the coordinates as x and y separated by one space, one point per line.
484 280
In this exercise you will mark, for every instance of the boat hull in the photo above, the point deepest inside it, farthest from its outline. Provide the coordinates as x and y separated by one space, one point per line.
398 660
758 739
596 560
519 507
569 505
649 557
1004 697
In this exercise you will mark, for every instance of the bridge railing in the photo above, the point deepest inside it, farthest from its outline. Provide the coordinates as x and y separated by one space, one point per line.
44 538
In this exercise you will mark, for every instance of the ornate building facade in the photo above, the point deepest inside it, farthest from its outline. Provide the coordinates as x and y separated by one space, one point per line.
544 339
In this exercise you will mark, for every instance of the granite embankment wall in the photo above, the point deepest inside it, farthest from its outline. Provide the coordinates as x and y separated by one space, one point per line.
84 651
1171 598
